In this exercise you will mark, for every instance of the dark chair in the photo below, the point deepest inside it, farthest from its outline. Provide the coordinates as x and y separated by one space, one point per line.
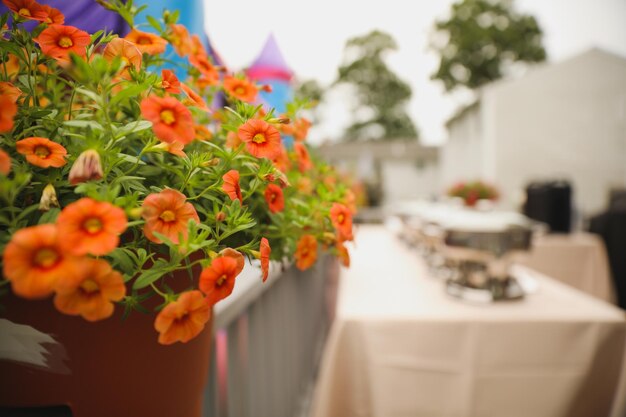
550 202
611 226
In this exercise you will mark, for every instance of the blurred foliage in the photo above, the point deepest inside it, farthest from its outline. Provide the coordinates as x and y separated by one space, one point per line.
309 90
481 39
381 96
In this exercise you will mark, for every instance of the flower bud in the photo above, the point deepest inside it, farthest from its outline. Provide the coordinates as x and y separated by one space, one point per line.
256 254
136 212
211 163
48 198
220 217
87 167
269 177
267 88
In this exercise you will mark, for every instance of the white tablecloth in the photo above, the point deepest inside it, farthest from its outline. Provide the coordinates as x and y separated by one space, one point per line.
401 347
577 259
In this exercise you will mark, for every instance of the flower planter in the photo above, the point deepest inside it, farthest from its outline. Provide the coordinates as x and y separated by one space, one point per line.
109 368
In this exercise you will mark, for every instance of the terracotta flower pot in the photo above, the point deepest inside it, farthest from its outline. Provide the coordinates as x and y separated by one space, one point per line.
110 368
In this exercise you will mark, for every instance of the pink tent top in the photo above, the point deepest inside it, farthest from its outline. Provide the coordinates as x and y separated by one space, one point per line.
270 63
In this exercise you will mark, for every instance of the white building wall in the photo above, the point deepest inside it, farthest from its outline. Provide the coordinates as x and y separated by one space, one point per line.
462 157
405 180
564 120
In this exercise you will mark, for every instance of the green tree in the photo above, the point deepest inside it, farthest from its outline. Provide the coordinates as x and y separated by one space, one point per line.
309 90
381 96
481 39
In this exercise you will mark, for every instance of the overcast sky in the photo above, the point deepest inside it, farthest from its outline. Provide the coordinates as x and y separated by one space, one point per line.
312 35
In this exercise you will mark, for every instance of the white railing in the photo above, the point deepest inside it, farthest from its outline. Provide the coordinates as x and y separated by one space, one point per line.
268 341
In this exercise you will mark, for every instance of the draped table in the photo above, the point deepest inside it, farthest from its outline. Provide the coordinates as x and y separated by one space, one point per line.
577 259
400 346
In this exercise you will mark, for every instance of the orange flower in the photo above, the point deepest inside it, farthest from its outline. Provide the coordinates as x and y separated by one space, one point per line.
207 81
194 97
148 43
202 63
203 133
231 185
218 280
8 110
302 154
306 252
170 82
27 9
87 167
274 198
281 160
183 319
343 254
175 148
232 140
241 89
304 185
301 129
54 16
8 89
5 163
127 52
171 120
261 138
90 227
180 40
11 65
265 258
237 256
91 293
58 41
34 261
197 49
167 213
341 218
42 152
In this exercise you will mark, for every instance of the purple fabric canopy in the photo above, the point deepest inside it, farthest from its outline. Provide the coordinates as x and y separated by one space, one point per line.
270 63
86 15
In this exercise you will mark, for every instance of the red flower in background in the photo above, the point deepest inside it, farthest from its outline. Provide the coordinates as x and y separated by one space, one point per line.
54 16
274 198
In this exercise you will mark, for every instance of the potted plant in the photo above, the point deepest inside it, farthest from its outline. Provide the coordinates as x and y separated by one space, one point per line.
128 207
473 191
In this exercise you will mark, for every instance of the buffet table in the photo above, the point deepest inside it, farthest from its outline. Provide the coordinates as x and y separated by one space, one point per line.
400 346
577 259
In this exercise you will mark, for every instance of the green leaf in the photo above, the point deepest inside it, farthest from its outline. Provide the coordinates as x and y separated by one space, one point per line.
132 127
83 124
148 276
